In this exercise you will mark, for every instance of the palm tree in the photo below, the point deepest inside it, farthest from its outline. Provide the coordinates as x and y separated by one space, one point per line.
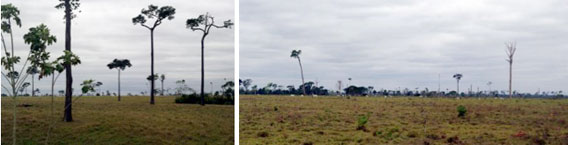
204 23
119 65
162 78
165 12
458 77
511 48
296 54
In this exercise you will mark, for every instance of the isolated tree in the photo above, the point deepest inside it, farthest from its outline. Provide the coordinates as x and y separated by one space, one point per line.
119 65
162 78
69 6
458 77
32 70
511 48
153 12
204 23
296 54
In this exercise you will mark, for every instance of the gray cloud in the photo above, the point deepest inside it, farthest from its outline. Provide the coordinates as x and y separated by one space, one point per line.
103 31
391 44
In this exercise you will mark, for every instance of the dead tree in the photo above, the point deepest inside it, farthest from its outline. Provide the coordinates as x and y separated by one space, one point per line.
511 48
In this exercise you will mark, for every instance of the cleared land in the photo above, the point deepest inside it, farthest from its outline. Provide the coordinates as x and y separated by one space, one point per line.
104 120
333 120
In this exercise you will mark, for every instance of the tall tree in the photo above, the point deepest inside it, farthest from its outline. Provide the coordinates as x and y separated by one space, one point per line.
511 48
69 6
119 65
162 78
165 12
458 78
39 38
296 54
9 13
204 23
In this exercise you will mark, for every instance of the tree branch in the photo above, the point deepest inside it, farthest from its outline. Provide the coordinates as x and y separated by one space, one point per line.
23 67
145 26
4 44
193 28
8 90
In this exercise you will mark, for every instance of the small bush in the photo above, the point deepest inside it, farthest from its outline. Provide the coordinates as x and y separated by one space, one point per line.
362 121
461 111
196 99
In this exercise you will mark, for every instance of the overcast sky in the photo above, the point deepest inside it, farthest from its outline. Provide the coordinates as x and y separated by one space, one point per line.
103 31
406 43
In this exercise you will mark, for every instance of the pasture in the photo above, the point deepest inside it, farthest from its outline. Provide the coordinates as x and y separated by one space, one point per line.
402 120
104 120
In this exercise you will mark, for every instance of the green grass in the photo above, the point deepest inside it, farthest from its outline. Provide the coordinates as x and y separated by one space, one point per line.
104 120
334 120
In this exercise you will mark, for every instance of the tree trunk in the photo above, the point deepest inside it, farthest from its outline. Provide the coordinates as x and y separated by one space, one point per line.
118 84
33 88
152 67
511 78
162 88
68 117
458 92
302 73
52 83
202 69
14 122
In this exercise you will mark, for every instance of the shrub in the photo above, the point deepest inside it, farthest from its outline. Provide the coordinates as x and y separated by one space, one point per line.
362 121
196 99
461 111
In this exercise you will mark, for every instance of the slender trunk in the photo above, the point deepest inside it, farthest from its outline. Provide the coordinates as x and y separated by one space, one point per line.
52 83
11 37
511 79
162 88
458 92
13 84
118 84
14 122
152 66
202 69
302 73
33 88
68 117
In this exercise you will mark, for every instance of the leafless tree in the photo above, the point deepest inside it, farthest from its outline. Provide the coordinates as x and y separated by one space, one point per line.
511 48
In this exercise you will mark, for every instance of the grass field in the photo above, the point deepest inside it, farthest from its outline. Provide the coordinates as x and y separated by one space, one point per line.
104 120
334 120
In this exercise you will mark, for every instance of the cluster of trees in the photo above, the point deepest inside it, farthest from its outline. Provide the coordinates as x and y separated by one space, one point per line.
308 88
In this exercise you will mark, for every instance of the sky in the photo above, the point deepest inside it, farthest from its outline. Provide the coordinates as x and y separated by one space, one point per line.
103 31
406 43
